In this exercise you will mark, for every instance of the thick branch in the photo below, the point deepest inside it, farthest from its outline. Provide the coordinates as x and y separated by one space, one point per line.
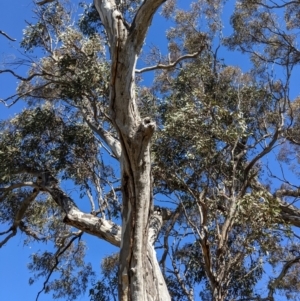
174 217
95 226
205 247
159 288
142 21
112 142
106 9
289 213
84 221
24 206
17 185
263 153
29 232
8 237
287 192
156 222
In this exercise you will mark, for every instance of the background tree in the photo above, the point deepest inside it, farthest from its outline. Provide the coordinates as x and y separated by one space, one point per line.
219 223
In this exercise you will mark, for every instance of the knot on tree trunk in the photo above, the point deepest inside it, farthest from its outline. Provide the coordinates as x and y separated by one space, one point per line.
147 127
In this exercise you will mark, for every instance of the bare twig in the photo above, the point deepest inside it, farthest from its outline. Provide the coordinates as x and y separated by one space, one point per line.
169 66
17 185
8 237
58 254
19 77
44 2
275 282
18 217
7 36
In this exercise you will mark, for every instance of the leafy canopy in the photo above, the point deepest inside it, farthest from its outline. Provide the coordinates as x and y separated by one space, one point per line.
229 214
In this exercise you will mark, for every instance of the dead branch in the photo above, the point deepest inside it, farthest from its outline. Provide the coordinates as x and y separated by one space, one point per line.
59 252
169 66
44 2
19 215
7 36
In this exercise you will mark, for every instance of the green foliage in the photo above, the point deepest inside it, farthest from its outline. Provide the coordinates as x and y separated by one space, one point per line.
106 288
271 32
39 138
212 119
73 274
52 16
89 22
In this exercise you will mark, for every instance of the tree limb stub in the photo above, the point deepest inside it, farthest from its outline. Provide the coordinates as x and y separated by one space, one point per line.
84 221
95 226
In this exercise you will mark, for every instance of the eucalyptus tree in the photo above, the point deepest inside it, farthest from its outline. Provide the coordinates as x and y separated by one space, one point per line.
89 122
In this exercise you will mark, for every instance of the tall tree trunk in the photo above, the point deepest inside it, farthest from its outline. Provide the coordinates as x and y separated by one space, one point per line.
139 274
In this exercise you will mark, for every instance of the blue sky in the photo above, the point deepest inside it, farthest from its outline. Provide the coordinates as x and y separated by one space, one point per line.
14 257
